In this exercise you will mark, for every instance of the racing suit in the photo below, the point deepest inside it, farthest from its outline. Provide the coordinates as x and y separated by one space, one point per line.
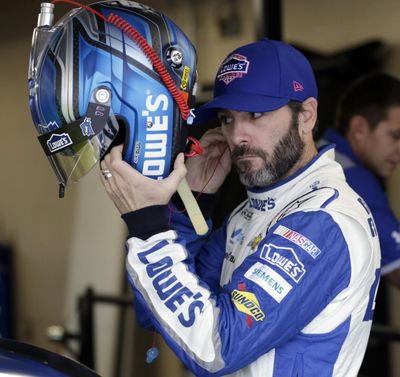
368 186
285 288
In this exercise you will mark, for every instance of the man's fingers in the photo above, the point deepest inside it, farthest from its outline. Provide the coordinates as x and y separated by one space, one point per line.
179 171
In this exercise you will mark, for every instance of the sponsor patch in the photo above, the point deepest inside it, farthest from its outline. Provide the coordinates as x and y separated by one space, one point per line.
247 303
185 78
262 204
237 236
235 66
58 141
268 279
246 214
284 258
254 243
86 127
230 257
308 246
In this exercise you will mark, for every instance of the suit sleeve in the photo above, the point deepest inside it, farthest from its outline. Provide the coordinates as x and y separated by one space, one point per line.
386 222
271 297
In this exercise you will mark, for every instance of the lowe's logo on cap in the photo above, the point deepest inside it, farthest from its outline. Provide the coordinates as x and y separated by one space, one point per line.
233 67
58 141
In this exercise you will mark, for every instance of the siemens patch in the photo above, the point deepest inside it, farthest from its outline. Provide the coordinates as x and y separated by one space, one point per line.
284 258
298 239
247 303
274 284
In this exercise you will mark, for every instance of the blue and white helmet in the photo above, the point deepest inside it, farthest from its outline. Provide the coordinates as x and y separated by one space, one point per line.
117 72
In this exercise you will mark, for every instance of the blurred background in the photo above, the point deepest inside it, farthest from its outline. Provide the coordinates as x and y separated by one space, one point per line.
62 260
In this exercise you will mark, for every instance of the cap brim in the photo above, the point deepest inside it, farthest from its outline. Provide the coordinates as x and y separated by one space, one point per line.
237 102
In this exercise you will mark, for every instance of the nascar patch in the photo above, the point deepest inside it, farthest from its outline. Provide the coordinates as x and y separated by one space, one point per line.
308 246
247 303
273 283
284 258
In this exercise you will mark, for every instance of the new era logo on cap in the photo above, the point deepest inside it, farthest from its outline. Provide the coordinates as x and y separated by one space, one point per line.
234 66
297 87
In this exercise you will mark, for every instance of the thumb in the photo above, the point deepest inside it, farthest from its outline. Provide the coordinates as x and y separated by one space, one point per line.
179 171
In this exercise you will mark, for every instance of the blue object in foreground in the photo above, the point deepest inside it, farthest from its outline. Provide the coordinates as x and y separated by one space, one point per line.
21 359
151 355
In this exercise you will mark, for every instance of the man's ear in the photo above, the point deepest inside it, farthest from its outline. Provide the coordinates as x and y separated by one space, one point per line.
308 116
358 128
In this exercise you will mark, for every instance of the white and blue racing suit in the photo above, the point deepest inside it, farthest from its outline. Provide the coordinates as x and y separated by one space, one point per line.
285 288
368 186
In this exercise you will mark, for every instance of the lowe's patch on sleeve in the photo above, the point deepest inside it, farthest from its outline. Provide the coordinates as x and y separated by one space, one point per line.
268 279
247 303
284 258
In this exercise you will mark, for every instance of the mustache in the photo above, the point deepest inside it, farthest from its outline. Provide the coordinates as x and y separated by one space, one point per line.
244 150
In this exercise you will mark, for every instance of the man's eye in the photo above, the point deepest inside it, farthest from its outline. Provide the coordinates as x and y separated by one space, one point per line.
224 119
395 135
256 115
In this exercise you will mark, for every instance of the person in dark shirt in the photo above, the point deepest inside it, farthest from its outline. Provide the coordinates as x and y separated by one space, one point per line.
367 138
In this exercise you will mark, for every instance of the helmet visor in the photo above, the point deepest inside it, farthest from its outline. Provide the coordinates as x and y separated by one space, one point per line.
74 133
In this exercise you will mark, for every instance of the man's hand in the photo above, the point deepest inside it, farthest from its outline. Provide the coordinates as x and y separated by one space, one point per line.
130 190
207 172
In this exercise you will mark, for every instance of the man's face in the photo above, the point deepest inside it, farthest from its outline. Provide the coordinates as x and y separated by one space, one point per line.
380 147
264 146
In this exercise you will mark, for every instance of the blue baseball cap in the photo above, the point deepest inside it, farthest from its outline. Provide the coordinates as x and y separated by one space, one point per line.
259 77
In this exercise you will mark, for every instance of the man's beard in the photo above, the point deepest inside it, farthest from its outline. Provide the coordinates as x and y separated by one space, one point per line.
286 154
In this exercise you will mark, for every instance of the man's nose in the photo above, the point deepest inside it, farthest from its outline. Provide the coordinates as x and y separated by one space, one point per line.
240 132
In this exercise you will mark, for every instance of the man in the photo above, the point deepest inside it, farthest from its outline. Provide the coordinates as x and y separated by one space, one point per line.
367 138
286 287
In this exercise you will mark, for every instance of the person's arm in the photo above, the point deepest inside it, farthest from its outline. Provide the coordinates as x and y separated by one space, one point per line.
394 277
386 222
261 308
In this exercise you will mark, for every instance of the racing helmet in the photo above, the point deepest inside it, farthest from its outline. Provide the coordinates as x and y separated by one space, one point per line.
109 73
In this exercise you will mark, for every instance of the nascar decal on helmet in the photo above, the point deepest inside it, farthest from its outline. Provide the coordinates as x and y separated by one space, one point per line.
235 66
175 296
247 303
274 284
284 258
298 239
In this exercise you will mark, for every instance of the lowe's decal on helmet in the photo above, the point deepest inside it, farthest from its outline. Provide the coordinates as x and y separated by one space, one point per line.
114 72
57 142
